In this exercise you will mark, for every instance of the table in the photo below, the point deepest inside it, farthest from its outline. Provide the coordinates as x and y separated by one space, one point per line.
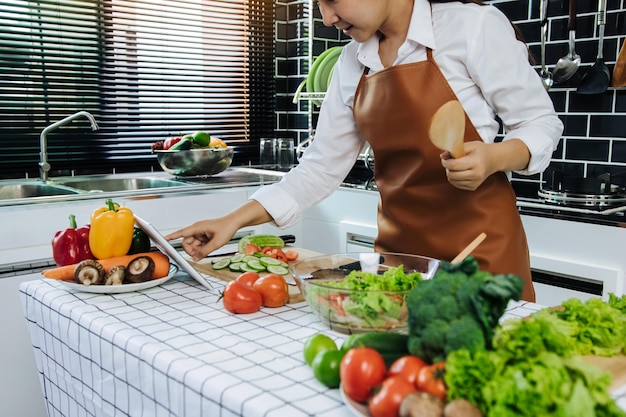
173 350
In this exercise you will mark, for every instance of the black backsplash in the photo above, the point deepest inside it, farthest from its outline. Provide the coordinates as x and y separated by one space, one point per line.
594 138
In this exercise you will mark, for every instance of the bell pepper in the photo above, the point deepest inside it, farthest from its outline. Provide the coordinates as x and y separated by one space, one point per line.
140 243
71 245
112 230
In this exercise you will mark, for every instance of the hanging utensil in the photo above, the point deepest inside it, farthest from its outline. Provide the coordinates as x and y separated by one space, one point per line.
598 78
546 76
447 128
619 71
567 66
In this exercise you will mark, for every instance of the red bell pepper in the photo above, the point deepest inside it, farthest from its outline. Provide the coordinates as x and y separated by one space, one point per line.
71 245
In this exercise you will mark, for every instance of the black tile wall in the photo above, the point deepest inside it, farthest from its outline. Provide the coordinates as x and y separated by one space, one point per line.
594 138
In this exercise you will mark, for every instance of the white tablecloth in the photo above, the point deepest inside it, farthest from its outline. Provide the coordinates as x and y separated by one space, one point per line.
173 350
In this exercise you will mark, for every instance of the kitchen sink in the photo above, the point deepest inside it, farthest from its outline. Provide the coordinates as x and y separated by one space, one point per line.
109 184
34 189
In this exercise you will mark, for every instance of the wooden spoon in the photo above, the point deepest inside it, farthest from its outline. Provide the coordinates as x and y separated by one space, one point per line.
447 128
469 248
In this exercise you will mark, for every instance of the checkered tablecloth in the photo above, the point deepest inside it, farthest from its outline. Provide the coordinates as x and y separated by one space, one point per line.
173 350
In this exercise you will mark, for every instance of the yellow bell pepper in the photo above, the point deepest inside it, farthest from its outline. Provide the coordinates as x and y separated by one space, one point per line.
111 231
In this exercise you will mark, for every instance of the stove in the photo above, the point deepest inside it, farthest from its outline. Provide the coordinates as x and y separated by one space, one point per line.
601 191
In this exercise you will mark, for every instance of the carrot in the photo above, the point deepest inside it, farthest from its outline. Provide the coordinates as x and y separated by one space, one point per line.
161 266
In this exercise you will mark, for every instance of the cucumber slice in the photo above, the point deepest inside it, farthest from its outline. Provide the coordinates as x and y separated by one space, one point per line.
238 257
247 268
277 269
249 258
255 264
221 264
266 260
216 260
235 266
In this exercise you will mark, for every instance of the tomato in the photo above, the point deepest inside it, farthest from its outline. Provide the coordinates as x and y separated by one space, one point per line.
407 367
252 248
326 367
362 369
171 141
291 254
241 298
315 344
430 379
275 253
386 402
248 278
273 289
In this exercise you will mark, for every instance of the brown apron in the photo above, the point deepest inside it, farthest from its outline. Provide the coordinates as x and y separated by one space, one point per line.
419 211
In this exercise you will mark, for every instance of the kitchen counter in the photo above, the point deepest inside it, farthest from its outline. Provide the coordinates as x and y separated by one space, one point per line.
174 350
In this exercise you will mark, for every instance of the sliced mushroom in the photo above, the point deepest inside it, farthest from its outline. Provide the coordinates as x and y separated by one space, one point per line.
89 272
115 276
139 269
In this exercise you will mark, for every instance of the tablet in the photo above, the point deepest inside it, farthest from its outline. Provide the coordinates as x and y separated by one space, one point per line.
160 242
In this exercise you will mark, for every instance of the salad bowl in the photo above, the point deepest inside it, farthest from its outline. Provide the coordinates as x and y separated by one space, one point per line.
362 291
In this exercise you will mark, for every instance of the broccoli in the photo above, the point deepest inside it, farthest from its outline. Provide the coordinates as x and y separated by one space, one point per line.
459 307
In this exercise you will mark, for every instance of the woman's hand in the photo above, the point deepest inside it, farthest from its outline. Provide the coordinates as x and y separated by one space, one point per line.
482 159
205 236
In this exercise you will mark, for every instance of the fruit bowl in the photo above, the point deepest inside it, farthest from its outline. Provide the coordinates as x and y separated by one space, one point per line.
195 162
361 291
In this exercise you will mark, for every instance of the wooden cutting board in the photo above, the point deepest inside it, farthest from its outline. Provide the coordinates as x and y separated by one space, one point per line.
295 296
615 365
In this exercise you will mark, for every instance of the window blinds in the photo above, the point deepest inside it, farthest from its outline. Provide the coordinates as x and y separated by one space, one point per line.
144 69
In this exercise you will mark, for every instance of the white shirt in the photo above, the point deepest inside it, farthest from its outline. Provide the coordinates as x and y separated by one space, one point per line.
486 66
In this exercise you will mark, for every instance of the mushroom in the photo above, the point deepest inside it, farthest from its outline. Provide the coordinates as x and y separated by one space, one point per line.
115 275
89 272
421 404
139 269
461 408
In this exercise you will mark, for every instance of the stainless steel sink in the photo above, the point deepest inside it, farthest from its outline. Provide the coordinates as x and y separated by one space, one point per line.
34 189
111 184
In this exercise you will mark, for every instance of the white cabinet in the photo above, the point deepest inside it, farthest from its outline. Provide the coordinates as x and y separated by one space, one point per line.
344 222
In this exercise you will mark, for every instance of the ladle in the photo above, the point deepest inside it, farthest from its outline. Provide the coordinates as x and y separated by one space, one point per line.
567 66
546 76
447 128
598 78
469 248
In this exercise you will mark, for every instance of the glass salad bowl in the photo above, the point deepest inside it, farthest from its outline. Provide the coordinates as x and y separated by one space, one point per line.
362 291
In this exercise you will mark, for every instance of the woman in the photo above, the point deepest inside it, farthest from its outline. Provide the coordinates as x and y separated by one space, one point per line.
407 58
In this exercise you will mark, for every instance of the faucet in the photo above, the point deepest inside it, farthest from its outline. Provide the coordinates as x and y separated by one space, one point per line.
44 166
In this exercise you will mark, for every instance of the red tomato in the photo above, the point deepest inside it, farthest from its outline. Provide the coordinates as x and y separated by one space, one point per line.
252 248
171 141
241 298
275 253
273 289
248 278
291 254
430 379
407 367
362 369
386 402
